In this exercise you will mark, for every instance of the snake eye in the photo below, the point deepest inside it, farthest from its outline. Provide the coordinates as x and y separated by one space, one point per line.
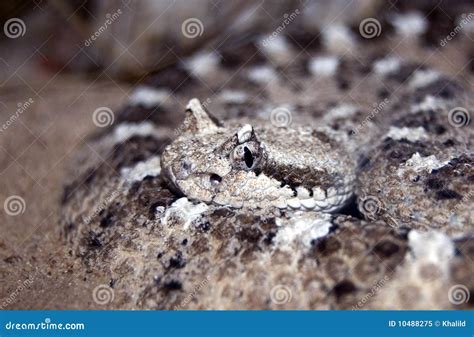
247 156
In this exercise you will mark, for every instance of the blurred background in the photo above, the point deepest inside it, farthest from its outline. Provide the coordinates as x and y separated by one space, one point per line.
60 60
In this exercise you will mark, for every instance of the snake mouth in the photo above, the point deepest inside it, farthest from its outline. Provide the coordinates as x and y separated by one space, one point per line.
201 186
171 182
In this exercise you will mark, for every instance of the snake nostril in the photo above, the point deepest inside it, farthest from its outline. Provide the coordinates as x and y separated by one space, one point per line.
186 165
215 179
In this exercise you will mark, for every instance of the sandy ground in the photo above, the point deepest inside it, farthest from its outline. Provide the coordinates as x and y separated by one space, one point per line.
34 150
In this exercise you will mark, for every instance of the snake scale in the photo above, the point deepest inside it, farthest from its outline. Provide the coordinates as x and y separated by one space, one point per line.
333 160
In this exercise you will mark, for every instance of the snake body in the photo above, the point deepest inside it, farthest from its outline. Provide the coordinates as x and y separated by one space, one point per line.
274 137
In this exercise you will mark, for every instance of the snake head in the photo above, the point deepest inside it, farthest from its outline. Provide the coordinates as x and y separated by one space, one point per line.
207 158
